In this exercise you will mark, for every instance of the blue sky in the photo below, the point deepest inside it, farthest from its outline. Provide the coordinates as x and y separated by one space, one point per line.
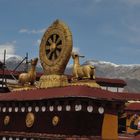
107 30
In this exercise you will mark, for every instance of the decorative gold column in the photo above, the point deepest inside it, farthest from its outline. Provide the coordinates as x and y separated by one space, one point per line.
47 81
110 127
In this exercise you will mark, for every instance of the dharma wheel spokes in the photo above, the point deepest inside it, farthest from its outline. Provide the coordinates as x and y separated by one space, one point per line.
53 47
55 52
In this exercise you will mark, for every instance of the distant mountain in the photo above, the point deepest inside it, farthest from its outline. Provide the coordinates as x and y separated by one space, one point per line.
112 70
14 61
130 73
15 58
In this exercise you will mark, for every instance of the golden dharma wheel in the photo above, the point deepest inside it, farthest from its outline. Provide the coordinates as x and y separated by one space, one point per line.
56 48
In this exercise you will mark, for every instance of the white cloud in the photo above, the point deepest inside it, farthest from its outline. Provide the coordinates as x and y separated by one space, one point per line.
76 50
134 28
38 41
10 50
131 2
23 30
32 31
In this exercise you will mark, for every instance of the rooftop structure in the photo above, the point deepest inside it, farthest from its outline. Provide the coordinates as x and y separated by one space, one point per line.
59 106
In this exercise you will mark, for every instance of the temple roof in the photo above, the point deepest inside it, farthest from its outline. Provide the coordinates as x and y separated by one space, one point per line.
68 91
133 107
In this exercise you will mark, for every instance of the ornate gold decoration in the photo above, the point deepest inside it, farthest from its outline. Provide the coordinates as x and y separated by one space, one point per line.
90 83
47 81
30 76
55 48
83 72
30 118
55 120
6 120
55 52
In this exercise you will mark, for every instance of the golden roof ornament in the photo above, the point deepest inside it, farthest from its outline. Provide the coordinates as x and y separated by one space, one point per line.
55 52
30 76
83 75
55 48
82 72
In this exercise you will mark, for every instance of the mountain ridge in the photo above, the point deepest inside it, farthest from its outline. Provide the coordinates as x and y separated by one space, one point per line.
130 73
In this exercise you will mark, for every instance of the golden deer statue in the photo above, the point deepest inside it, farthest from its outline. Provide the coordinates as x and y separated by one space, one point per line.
30 76
82 72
